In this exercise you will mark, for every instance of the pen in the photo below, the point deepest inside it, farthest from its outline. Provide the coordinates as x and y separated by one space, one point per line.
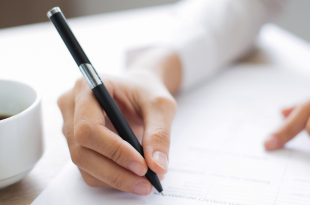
98 88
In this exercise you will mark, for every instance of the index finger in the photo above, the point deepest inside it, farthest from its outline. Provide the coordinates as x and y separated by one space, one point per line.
90 132
293 124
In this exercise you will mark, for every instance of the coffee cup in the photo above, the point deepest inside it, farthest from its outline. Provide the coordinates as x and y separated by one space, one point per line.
21 131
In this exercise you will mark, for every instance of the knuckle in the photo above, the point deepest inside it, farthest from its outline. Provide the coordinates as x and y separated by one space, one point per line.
165 103
82 132
115 151
160 136
115 180
78 157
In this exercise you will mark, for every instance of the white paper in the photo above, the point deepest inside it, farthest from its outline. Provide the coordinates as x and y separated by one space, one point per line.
217 154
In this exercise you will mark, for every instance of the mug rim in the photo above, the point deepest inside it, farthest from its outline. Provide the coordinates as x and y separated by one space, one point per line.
34 104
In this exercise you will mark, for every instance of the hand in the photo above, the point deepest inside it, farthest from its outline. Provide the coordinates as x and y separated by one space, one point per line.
296 120
104 159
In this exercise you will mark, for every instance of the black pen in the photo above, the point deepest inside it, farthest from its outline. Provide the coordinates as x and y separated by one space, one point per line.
100 91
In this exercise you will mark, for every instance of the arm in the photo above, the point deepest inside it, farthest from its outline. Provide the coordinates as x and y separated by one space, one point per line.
210 35
143 95
213 34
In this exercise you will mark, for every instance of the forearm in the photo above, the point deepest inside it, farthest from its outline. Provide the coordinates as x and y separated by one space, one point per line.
214 34
162 62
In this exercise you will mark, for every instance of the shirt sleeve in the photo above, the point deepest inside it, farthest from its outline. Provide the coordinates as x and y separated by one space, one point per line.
214 33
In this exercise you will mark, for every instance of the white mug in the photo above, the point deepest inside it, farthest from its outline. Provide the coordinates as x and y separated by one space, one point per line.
21 135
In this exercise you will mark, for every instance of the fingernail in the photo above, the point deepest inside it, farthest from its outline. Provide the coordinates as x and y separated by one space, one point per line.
161 159
142 188
137 168
272 143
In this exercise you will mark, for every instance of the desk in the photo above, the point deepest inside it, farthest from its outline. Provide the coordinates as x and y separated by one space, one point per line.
35 54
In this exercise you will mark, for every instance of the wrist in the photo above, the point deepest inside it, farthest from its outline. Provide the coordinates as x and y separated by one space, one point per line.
161 62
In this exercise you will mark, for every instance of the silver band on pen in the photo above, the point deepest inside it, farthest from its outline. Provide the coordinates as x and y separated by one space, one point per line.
90 75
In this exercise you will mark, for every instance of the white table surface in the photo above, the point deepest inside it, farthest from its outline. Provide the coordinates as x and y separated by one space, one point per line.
35 54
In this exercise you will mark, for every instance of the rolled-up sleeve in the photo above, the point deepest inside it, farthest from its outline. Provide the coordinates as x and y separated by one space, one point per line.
214 33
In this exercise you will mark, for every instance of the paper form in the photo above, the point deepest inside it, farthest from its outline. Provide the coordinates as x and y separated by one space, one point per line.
217 154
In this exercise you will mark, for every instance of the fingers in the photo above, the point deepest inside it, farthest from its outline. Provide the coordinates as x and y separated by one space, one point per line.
286 112
107 143
108 172
158 115
90 132
104 159
87 107
294 123
94 182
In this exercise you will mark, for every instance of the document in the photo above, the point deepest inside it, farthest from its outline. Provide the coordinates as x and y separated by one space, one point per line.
217 154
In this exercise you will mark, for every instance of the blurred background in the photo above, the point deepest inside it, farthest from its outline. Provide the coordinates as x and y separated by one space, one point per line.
20 12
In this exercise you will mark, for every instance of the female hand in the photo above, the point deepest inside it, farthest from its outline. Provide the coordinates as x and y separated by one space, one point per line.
296 120
103 157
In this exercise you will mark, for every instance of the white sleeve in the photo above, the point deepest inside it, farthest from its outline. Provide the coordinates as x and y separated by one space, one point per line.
214 33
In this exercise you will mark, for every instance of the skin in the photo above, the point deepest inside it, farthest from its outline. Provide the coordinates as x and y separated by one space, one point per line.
296 120
144 96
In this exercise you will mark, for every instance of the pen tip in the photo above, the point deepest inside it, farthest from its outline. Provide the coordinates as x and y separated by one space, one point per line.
162 193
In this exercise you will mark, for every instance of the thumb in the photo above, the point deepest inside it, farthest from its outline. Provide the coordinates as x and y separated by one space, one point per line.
157 116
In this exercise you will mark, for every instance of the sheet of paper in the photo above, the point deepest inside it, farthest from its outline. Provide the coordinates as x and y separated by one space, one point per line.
217 156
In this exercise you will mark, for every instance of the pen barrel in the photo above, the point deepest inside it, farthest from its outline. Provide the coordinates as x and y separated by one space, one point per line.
103 96
120 124
153 178
69 39
117 119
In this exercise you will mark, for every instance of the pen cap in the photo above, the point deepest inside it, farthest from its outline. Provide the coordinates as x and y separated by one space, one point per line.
60 23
